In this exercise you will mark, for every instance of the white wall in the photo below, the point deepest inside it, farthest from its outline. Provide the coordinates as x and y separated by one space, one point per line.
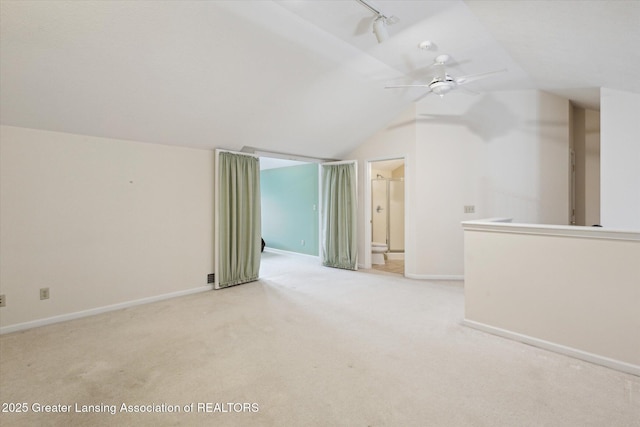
506 153
529 158
99 222
620 159
565 288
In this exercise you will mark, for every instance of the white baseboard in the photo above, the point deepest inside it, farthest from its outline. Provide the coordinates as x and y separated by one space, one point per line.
98 310
557 348
433 276
395 255
280 251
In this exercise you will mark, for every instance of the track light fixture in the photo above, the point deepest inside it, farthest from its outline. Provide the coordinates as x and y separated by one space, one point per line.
380 22
380 29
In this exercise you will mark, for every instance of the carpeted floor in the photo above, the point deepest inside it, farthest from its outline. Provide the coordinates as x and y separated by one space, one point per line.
304 346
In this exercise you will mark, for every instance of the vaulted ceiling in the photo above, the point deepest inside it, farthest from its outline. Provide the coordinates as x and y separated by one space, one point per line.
301 77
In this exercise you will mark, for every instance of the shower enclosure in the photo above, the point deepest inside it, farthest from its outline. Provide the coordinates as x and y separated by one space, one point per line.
387 212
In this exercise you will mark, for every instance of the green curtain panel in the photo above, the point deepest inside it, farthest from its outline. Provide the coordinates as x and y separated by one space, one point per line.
239 219
339 216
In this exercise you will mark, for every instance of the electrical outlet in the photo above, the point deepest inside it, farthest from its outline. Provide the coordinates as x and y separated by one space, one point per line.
3 300
44 293
302 242
469 209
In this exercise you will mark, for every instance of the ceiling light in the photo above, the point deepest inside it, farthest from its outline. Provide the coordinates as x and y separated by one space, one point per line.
380 29
381 21
440 88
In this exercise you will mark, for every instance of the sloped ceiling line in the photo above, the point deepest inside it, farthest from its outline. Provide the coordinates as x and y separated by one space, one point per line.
289 76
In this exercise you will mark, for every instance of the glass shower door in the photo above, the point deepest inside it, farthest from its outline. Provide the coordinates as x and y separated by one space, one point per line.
396 215
379 211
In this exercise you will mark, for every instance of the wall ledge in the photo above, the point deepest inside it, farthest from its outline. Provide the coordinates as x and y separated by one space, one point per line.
503 225
557 348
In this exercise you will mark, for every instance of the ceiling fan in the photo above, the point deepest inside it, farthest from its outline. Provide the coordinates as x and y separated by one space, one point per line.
442 82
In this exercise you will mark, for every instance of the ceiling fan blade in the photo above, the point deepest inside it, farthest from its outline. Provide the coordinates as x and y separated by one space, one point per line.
466 89
452 62
420 73
401 86
410 66
472 78
439 71
422 96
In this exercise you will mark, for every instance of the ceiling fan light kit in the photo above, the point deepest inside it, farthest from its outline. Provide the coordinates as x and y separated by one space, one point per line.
441 88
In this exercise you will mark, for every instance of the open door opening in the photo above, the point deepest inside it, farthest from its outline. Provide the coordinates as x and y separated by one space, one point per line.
290 216
384 214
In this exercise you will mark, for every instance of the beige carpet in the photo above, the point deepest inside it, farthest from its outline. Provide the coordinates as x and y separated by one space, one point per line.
304 346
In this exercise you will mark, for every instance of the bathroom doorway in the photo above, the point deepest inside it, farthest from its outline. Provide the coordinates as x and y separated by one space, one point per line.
387 215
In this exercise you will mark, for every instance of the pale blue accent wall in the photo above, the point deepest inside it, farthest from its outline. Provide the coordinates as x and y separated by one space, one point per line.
290 208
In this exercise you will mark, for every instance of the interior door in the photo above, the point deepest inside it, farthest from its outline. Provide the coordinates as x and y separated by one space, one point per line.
237 222
339 214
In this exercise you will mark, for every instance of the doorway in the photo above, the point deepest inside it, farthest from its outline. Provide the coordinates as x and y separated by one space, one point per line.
296 220
386 215
289 194
329 222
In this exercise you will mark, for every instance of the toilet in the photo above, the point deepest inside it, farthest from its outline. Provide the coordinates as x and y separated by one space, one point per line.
377 253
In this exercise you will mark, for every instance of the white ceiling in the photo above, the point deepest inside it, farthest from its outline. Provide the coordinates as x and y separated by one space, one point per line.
299 77
275 163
